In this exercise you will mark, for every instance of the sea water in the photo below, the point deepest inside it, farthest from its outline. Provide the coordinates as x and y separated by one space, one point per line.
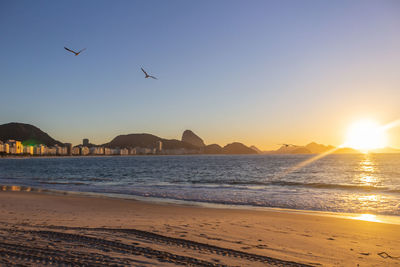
351 183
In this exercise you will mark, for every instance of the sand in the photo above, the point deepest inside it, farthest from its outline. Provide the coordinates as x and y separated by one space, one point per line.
48 229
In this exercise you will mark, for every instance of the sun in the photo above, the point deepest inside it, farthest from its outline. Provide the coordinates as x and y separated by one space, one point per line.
365 135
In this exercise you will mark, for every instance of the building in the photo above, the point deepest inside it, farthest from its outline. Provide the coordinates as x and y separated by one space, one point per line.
107 151
76 150
85 142
52 151
69 148
1 147
96 150
61 150
6 148
144 150
115 151
132 151
84 150
42 150
159 146
36 150
124 152
28 150
15 147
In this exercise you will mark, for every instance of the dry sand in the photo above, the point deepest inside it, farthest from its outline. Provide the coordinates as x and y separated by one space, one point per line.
43 229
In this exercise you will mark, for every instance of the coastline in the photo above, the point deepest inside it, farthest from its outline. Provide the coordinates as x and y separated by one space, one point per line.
379 218
290 236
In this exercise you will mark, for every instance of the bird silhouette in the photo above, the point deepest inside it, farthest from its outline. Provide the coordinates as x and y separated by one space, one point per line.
72 51
286 145
147 75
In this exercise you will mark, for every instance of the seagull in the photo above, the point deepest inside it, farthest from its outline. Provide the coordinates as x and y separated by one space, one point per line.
286 145
76 53
147 75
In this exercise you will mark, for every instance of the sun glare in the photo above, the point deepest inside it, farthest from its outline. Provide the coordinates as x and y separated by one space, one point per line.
366 135
367 217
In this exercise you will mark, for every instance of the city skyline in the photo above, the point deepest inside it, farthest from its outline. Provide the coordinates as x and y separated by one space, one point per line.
265 74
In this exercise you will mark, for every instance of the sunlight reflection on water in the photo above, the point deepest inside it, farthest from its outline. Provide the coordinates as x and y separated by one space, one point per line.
367 217
368 170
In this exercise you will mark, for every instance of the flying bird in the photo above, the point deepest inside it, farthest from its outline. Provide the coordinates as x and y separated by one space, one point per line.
72 51
147 75
286 145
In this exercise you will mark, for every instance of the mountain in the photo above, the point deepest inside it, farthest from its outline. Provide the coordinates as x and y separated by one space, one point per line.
190 137
311 148
148 141
134 140
237 148
285 149
318 148
212 149
28 134
256 149
300 150
177 144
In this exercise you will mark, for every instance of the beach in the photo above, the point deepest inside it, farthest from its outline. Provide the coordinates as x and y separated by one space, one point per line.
45 229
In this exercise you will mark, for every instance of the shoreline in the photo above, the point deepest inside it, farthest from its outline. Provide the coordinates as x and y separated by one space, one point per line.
378 218
269 235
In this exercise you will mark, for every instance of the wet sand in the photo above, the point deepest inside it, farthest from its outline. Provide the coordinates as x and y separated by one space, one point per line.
47 229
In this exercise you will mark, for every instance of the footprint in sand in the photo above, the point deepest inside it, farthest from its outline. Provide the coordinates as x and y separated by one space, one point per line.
306 235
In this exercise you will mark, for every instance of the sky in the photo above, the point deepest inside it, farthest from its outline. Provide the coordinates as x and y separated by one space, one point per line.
258 72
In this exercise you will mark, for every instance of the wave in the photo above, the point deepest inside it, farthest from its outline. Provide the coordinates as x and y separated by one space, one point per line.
330 186
63 183
300 184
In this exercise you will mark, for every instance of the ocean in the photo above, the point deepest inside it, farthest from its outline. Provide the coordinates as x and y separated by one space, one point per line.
353 183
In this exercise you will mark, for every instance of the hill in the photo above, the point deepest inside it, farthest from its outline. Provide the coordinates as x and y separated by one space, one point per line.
237 148
190 137
212 149
146 140
28 134
300 150
311 148
256 149
134 140
318 148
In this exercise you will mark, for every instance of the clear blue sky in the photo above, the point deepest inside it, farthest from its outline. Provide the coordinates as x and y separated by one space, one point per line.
260 72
